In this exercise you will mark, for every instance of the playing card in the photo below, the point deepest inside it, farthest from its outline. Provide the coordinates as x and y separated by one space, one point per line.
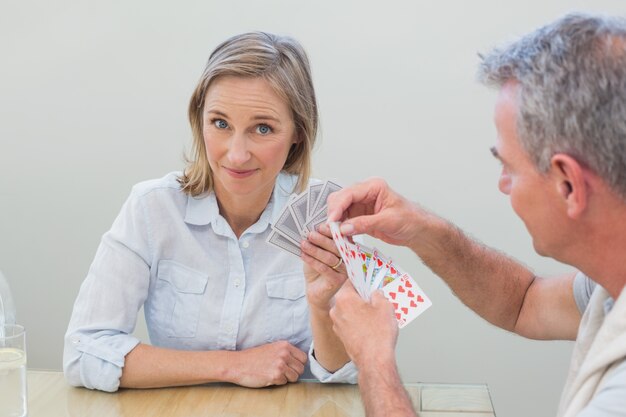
408 299
380 265
287 226
282 242
348 253
298 208
390 273
320 204
316 220
365 254
314 193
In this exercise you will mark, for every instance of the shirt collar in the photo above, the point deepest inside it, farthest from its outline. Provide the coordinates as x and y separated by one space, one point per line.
203 210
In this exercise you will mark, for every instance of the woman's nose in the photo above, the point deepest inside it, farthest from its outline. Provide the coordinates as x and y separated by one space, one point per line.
238 153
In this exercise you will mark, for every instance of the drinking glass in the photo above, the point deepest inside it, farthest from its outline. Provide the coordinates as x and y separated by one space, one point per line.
12 371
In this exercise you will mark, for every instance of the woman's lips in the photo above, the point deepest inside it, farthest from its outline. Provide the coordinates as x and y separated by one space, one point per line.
239 173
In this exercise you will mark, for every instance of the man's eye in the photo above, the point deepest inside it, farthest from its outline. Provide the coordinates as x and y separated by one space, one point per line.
263 129
220 123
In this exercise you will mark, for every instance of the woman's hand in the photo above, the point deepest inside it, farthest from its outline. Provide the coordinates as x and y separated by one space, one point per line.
274 363
324 271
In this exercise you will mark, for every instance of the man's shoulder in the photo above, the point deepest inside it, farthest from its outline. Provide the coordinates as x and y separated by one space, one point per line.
583 288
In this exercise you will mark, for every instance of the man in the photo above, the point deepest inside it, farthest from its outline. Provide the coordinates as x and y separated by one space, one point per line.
561 122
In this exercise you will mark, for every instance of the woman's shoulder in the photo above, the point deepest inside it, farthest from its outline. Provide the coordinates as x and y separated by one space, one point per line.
169 182
160 191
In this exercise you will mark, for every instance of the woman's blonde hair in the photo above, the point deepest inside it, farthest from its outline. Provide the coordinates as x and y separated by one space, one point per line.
283 63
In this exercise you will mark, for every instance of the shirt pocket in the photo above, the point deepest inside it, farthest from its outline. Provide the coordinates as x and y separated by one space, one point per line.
179 294
287 313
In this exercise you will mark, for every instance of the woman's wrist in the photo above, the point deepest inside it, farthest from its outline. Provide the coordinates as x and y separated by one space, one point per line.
224 367
318 306
319 310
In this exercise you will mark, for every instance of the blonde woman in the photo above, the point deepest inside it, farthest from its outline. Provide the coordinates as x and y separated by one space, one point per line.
220 304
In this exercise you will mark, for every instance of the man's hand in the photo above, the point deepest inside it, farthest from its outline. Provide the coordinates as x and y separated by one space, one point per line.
272 364
368 330
373 208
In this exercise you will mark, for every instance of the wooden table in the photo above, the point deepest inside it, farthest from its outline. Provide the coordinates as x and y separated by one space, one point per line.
49 395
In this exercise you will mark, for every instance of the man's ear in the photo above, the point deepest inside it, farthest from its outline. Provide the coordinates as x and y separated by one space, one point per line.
570 183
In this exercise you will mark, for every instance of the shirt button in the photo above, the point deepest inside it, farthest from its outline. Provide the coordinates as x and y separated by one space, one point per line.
245 245
237 282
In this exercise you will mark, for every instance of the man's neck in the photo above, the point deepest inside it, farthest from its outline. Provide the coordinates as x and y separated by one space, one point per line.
600 250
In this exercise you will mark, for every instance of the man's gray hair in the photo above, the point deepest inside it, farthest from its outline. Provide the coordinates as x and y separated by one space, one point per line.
572 75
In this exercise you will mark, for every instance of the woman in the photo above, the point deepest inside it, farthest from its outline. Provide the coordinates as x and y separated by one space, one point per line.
220 303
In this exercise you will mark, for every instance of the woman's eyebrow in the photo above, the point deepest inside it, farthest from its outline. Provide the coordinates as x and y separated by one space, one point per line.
266 117
217 113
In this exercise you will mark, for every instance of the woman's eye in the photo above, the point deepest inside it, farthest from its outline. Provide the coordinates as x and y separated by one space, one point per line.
263 129
220 123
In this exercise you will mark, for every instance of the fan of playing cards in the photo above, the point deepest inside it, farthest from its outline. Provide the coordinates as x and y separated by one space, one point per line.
368 269
302 214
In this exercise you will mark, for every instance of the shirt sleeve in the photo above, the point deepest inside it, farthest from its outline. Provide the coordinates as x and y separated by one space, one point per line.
346 374
105 312
583 288
610 401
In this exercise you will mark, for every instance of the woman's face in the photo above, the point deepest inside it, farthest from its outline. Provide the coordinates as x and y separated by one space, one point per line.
248 131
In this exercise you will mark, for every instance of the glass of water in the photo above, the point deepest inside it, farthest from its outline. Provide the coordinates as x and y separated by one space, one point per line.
12 371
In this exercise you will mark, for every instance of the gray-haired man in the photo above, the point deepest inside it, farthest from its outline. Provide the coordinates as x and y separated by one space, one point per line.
561 122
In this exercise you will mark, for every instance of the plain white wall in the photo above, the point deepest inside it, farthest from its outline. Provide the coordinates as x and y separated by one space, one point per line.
93 99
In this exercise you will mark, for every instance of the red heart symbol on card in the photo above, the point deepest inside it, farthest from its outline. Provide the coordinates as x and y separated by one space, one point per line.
401 289
392 295
363 256
379 262
393 270
410 294
405 310
408 283
413 304
353 254
398 316
395 306
420 299
341 250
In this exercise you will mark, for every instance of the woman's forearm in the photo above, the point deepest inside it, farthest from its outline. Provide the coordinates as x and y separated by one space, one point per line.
329 350
152 367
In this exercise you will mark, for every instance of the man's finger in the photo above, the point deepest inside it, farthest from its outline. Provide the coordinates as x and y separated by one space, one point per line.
378 298
362 193
360 225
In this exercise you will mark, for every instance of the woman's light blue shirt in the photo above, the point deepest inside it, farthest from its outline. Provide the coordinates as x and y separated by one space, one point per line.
200 286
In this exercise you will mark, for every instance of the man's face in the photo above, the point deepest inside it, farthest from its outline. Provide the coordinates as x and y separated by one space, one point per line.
533 195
